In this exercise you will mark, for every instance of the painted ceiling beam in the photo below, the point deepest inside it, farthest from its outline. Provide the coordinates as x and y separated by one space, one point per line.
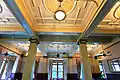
55 38
63 30
17 13
14 36
99 17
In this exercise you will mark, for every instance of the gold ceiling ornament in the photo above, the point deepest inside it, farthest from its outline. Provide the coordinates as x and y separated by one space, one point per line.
52 6
90 0
116 12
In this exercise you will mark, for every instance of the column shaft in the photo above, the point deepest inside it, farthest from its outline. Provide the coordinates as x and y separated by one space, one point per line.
28 73
85 61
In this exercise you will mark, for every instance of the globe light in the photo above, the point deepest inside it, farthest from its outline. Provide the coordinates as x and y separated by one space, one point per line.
60 15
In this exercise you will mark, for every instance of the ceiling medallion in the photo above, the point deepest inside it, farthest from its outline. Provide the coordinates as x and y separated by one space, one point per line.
55 4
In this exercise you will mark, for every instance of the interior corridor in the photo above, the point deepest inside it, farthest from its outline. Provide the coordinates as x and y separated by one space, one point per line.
59 39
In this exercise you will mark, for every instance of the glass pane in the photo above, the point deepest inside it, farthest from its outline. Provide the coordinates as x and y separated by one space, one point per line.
113 68
101 68
4 73
115 63
117 67
54 74
54 68
60 74
60 67
54 63
60 63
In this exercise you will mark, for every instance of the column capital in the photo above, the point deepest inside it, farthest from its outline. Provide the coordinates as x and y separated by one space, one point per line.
34 40
82 41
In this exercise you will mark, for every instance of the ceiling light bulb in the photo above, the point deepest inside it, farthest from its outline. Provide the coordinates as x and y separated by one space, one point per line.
60 15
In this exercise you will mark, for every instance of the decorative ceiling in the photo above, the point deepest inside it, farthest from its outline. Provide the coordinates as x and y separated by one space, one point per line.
57 47
6 17
112 19
70 48
79 13
39 15
55 5
23 45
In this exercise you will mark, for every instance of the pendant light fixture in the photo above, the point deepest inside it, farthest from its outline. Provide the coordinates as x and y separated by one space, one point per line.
60 14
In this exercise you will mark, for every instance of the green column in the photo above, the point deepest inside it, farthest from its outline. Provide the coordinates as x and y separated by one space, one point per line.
28 73
85 61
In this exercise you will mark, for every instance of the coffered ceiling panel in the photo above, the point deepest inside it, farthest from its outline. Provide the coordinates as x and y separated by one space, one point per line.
6 17
112 19
79 13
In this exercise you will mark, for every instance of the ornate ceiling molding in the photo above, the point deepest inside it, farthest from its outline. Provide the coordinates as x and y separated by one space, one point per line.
67 9
116 12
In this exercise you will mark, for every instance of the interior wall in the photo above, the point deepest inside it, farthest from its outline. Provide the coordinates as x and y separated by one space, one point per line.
94 65
72 65
69 67
21 64
114 50
43 65
94 62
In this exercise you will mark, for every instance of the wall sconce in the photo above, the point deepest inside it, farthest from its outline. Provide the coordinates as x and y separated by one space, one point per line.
102 54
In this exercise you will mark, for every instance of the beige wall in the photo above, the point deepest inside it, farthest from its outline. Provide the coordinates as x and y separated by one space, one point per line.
72 65
94 62
43 65
114 50
94 65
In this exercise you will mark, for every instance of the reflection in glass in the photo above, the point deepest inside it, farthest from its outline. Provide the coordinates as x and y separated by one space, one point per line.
57 70
54 68
60 74
117 67
54 74
60 67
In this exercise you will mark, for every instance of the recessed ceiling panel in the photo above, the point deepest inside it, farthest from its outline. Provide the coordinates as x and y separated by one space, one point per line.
112 19
6 17
79 13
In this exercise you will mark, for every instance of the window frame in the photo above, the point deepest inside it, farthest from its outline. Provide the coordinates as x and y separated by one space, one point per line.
112 65
57 70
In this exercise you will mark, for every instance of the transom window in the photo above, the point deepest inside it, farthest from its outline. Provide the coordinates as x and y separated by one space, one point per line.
57 70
